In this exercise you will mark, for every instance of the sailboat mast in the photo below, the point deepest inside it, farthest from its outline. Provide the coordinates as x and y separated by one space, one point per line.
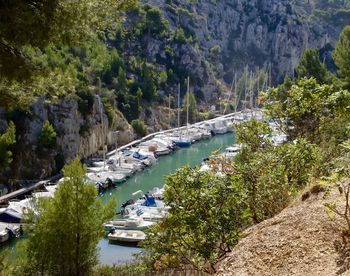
178 105
169 112
235 80
188 99
251 98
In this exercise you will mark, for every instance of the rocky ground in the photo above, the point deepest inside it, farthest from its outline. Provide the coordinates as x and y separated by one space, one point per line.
301 240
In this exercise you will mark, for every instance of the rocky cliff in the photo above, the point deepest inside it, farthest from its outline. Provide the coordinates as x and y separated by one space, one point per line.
229 35
77 134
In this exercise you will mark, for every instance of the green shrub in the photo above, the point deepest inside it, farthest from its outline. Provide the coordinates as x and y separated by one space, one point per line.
139 127
47 136
7 139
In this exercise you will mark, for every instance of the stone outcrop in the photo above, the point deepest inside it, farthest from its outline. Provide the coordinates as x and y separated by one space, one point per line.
77 135
301 240
269 35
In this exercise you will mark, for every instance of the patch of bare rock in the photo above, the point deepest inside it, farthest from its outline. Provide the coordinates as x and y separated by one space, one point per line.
301 240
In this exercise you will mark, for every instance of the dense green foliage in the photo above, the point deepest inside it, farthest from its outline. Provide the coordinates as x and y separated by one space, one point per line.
7 139
63 240
47 136
139 127
305 106
192 106
342 56
39 24
311 66
204 221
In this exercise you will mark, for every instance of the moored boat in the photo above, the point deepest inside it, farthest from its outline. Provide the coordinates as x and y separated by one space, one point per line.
127 235
133 223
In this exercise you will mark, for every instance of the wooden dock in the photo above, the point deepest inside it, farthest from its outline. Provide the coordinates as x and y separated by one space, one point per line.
27 189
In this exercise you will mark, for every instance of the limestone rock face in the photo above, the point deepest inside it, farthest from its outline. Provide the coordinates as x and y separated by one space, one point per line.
255 33
77 135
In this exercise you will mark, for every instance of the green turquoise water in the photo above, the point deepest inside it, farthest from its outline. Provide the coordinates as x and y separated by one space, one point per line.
154 177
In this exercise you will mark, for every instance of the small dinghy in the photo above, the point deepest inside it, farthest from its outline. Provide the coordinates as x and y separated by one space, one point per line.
126 235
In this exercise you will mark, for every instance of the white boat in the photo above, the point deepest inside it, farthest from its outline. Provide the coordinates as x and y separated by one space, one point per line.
165 142
206 134
147 213
127 235
146 200
120 170
279 139
232 151
121 162
195 134
132 223
51 188
38 195
181 140
154 147
102 177
10 215
166 139
157 193
136 155
4 235
22 206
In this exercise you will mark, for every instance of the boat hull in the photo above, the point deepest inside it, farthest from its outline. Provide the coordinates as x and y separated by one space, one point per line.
132 236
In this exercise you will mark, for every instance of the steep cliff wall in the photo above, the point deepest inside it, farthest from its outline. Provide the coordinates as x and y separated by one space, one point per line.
254 33
77 135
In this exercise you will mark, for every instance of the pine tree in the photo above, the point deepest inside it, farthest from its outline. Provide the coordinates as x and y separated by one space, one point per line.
341 55
311 66
63 240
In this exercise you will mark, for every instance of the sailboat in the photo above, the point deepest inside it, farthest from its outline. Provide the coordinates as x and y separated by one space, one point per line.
182 141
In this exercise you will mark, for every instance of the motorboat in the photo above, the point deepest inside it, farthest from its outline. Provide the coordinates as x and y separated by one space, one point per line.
166 140
181 141
279 139
10 215
121 162
157 149
132 223
142 154
51 188
205 133
194 134
120 170
147 213
145 201
103 176
136 156
22 206
232 151
157 193
126 235
38 195
4 235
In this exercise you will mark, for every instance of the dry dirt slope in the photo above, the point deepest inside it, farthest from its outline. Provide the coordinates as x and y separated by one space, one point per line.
298 241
